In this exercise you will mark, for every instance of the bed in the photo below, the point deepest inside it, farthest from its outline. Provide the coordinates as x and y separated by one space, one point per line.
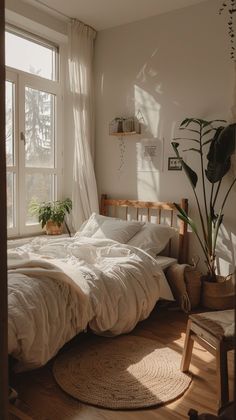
107 277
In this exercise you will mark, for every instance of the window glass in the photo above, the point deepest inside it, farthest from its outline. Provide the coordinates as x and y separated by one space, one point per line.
26 55
10 200
10 87
39 187
39 128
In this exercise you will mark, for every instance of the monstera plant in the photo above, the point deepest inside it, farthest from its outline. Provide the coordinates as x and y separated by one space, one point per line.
214 143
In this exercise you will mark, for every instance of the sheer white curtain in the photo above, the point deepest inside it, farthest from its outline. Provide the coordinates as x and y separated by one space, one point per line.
81 101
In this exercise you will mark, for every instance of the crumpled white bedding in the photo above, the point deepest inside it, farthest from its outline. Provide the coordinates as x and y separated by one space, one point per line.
60 287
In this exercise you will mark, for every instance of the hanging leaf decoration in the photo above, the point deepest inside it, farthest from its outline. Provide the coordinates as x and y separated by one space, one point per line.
230 5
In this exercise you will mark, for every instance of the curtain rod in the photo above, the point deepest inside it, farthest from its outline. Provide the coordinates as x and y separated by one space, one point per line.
61 13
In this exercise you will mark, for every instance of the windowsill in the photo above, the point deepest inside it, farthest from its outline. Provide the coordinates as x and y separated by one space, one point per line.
15 242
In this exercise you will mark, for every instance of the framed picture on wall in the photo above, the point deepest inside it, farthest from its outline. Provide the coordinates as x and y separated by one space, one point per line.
149 155
174 164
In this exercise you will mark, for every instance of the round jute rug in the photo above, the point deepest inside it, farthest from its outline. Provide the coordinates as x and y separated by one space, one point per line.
125 372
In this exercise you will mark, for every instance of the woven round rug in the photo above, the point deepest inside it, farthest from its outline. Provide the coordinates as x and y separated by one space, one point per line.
125 372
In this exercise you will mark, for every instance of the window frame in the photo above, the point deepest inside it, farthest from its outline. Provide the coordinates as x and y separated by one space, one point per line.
29 36
21 80
12 78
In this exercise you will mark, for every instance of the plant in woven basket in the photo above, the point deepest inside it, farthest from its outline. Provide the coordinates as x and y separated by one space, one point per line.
51 212
214 144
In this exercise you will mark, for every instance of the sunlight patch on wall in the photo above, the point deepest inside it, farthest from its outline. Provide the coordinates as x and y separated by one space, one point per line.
149 108
102 83
225 251
148 186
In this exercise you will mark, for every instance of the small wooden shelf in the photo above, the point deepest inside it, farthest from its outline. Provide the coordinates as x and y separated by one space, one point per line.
124 133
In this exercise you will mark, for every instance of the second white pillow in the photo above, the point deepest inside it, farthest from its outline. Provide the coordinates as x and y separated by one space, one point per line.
153 238
119 230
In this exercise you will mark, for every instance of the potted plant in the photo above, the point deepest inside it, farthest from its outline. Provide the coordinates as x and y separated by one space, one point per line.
51 214
214 144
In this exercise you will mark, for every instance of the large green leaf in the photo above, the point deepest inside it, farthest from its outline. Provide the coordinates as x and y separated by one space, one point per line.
201 122
207 142
221 148
186 138
209 131
206 123
184 216
225 143
189 129
212 214
188 221
185 123
193 150
182 211
216 171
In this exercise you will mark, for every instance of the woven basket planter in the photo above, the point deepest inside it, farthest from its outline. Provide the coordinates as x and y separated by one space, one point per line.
193 284
219 294
53 228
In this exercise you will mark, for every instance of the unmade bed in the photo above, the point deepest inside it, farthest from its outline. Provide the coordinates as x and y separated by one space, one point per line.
107 277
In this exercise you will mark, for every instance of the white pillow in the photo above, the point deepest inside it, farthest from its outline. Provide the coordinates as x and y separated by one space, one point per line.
89 227
99 226
153 238
165 262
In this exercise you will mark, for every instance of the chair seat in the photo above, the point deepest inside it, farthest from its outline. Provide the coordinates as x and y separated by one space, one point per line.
218 323
215 332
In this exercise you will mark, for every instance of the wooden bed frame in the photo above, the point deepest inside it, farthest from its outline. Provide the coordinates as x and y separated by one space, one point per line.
159 208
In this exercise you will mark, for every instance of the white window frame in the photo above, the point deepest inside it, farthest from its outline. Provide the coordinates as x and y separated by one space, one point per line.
21 80
12 77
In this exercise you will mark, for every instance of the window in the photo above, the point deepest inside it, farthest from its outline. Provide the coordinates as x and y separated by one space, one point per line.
33 106
31 55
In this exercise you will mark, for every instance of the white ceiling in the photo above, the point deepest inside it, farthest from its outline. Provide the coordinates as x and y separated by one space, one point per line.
103 14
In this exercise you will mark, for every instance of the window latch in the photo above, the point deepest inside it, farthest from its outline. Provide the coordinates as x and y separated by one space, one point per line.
22 137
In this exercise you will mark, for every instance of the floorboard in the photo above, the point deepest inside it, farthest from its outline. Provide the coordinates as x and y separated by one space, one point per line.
41 398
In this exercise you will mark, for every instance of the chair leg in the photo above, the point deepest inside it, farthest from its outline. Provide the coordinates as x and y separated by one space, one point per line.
193 414
188 348
222 375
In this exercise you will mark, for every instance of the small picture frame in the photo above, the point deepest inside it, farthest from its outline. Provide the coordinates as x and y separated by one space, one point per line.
174 164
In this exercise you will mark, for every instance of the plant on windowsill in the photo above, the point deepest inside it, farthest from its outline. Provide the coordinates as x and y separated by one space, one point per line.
52 214
214 144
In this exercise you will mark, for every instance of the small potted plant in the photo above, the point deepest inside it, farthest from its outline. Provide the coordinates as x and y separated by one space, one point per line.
51 214
214 144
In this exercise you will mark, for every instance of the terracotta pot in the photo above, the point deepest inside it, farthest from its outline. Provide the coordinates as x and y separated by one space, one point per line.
219 294
53 228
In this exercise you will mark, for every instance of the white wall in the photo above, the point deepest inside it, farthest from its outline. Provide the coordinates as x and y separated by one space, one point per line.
169 67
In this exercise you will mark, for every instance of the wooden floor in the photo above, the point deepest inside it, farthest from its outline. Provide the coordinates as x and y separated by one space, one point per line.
42 399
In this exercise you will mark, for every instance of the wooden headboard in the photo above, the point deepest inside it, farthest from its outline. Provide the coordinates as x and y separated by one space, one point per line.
153 207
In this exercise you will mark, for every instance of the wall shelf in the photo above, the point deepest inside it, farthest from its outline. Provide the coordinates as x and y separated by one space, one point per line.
121 126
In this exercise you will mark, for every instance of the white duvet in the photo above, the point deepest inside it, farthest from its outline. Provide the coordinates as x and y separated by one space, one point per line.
59 288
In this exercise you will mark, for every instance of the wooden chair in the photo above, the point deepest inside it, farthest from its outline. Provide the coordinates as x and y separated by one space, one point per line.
228 413
215 332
